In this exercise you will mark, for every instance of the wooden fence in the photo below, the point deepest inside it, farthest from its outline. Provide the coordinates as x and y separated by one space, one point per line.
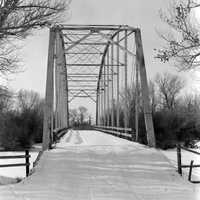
26 163
191 166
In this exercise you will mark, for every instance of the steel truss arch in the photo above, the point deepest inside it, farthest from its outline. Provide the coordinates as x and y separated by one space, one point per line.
87 59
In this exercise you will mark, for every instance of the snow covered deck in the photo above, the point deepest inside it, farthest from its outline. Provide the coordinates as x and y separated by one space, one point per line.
90 165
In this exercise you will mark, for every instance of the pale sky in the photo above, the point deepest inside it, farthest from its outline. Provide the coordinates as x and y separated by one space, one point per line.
136 13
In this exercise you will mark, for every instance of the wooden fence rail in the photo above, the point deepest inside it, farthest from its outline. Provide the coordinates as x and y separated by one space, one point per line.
191 166
26 164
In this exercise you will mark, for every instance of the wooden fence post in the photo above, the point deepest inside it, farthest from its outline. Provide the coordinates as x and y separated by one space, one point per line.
27 162
179 159
190 171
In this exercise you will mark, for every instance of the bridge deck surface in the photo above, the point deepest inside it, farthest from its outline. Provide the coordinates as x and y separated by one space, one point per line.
90 165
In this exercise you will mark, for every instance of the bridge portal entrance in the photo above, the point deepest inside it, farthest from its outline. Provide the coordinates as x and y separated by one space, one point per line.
104 63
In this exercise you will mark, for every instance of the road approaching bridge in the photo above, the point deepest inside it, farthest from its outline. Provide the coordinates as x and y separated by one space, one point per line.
90 165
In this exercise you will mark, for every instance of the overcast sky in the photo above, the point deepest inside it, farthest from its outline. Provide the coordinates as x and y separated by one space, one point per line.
136 13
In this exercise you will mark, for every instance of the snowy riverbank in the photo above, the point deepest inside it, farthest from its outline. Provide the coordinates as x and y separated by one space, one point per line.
13 174
9 175
171 154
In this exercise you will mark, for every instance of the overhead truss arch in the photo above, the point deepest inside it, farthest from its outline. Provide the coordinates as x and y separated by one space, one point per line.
93 61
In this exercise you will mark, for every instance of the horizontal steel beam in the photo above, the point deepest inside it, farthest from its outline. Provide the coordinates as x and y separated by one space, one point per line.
83 76
75 33
82 86
71 74
89 75
92 65
82 80
96 27
86 43
83 96
83 53
75 89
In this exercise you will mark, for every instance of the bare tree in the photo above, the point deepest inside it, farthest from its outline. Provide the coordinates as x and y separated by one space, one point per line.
183 41
152 96
18 18
82 113
73 116
28 100
169 87
6 99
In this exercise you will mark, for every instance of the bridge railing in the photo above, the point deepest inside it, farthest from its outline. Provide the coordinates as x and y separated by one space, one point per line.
191 166
58 133
126 133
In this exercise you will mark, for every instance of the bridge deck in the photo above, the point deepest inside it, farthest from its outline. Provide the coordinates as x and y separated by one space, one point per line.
89 165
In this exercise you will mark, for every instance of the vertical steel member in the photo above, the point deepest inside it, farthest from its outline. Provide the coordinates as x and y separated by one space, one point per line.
126 79
118 81
102 91
56 85
97 107
105 94
58 81
62 73
49 96
108 89
112 86
65 84
104 106
137 103
101 101
145 91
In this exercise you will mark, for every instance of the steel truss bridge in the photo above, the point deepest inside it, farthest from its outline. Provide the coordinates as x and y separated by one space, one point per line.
104 63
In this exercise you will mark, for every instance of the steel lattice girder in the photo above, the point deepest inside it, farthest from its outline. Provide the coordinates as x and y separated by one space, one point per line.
85 46
88 52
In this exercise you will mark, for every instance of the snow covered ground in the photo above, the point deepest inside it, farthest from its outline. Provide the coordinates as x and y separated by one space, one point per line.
15 172
90 165
186 159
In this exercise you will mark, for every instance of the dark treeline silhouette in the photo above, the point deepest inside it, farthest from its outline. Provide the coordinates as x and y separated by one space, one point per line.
21 119
79 118
175 115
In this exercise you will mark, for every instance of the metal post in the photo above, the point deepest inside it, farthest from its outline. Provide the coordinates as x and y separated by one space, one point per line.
62 81
145 90
105 95
65 85
49 96
102 103
118 82
112 86
137 104
58 82
126 80
108 89
57 98
97 107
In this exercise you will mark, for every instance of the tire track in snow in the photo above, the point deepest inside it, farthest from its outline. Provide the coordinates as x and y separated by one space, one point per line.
74 138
